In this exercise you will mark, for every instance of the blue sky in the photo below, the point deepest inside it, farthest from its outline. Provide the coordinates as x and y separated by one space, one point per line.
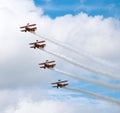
55 8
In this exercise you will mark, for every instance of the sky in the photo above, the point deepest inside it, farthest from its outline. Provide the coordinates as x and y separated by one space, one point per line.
55 8
89 28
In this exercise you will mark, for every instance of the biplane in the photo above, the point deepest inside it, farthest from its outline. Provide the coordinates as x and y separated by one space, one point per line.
37 44
29 28
47 64
60 84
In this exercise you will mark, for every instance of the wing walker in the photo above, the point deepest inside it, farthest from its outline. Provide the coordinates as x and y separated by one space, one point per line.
40 44
47 64
29 27
37 44
60 84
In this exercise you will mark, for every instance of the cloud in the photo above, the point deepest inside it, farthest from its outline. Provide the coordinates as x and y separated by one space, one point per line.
52 107
24 101
19 64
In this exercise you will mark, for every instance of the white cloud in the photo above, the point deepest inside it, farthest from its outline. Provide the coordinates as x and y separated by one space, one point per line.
19 64
45 106
24 101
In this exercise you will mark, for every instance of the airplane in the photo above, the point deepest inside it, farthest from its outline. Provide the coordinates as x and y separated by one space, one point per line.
29 28
37 44
60 84
47 64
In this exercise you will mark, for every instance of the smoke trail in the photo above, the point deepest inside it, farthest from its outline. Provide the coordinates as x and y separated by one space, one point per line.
100 61
97 82
108 99
80 65
84 54
57 43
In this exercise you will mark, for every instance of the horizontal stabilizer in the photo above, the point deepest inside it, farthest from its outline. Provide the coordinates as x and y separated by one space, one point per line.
43 67
23 30
32 46
55 86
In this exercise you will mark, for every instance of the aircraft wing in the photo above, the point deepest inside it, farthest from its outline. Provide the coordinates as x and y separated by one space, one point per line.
50 61
22 27
65 84
36 42
43 44
62 81
31 43
40 41
32 25
41 64
59 82
52 65
55 83
28 25
33 28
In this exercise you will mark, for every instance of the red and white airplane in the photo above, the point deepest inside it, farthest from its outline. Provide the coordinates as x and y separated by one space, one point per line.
47 64
37 44
60 84
29 28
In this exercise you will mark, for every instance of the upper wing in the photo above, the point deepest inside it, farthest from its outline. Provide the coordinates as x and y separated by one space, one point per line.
41 64
36 42
23 27
34 28
59 82
32 43
32 25
47 62
63 81
55 83
66 84
40 41
28 25
50 61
